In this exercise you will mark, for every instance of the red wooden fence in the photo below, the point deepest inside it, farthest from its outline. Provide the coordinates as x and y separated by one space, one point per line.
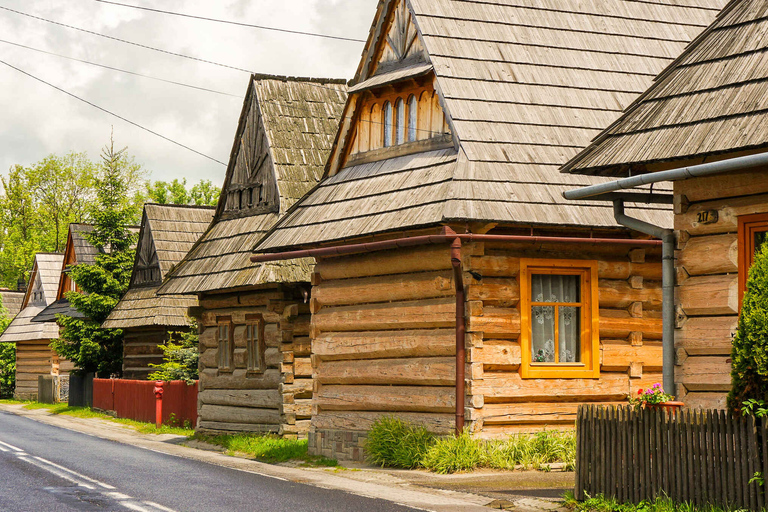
135 399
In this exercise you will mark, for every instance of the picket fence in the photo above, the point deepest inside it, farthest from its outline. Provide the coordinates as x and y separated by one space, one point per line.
698 456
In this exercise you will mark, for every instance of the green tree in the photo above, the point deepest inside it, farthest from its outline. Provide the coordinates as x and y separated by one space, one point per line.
749 353
179 358
7 357
175 192
83 341
37 203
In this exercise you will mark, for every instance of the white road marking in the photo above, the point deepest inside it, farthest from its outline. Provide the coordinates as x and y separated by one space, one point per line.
11 447
84 481
87 479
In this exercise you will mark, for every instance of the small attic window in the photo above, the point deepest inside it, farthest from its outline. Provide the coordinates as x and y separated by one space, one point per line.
399 121
240 200
413 108
387 122
250 197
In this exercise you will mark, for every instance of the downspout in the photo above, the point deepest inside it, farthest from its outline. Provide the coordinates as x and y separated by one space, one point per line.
667 237
458 280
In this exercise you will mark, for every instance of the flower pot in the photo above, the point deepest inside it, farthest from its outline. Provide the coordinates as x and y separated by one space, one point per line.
670 406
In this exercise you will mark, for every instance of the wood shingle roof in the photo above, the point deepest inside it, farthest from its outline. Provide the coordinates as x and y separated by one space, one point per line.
286 130
710 100
524 85
12 301
167 233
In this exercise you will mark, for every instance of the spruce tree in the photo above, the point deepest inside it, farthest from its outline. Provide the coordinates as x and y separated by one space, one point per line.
83 341
749 353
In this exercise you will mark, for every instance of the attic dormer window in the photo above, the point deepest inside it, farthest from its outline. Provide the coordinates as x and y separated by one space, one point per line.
413 108
387 122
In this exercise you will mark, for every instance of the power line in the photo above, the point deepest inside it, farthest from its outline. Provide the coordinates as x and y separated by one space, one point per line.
126 41
112 113
118 69
262 27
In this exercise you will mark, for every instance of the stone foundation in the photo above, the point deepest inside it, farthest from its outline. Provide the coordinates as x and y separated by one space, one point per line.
342 445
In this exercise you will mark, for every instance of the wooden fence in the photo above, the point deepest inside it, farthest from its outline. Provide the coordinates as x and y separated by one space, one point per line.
696 456
135 399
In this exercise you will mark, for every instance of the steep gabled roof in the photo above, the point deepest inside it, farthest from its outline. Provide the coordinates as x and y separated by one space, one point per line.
167 233
524 85
12 301
41 292
713 99
286 129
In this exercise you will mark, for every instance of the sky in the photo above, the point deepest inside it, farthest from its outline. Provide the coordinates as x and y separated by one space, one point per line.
37 120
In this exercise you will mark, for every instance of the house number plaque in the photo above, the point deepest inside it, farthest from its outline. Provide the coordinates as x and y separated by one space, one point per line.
707 217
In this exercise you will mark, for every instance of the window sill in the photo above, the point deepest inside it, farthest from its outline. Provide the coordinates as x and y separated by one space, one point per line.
564 371
408 148
254 373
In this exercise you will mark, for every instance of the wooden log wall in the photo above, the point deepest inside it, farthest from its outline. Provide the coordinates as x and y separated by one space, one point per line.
33 358
140 348
499 401
708 279
383 338
276 400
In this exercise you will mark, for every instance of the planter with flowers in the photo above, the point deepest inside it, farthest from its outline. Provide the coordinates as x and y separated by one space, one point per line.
654 398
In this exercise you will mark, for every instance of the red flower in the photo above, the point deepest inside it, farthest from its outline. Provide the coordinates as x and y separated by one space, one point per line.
640 391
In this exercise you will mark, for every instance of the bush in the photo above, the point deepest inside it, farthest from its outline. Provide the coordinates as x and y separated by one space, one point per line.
455 453
180 360
396 443
749 353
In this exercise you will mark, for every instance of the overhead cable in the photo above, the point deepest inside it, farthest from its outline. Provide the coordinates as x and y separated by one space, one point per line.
120 70
240 24
113 114
126 41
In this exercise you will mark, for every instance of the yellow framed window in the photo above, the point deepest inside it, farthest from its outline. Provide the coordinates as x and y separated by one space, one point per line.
559 324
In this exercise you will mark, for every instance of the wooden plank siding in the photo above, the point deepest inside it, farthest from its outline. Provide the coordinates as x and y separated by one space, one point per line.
276 399
33 358
708 280
383 339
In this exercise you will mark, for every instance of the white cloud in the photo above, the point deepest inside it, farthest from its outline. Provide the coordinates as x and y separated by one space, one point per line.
36 120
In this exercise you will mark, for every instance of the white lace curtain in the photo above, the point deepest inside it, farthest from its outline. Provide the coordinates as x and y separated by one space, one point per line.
566 343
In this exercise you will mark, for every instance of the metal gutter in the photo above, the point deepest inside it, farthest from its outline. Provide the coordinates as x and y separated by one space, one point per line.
667 237
461 347
739 163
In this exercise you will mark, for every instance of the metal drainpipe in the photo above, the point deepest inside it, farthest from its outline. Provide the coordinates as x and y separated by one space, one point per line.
667 237
458 280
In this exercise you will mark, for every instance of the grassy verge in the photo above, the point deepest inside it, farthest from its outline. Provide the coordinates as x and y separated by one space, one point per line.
86 412
395 443
663 504
267 448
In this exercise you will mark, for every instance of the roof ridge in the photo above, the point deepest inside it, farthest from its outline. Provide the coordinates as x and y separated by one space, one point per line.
189 206
287 78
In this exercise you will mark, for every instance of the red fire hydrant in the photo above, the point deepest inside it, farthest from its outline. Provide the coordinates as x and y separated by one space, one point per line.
159 403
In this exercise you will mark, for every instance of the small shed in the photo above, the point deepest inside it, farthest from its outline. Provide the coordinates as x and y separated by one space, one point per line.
702 125
34 357
454 286
167 233
255 370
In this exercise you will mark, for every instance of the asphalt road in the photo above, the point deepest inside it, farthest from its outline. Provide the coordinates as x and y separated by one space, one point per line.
48 468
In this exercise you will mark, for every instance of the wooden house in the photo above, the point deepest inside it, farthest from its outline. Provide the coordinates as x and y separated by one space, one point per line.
255 372
33 355
77 250
700 126
167 233
448 264
11 300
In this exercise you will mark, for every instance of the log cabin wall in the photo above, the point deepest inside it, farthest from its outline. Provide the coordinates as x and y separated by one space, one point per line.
141 347
707 214
275 398
33 358
383 341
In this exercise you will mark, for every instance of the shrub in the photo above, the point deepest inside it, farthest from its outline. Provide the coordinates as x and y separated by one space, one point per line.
455 453
396 443
749 353
180 360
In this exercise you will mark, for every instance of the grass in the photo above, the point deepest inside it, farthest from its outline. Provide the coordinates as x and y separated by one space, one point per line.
395 443
661 504
267 448
87 412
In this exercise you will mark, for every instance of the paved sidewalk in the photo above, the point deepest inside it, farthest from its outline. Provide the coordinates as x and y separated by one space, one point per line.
479 491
